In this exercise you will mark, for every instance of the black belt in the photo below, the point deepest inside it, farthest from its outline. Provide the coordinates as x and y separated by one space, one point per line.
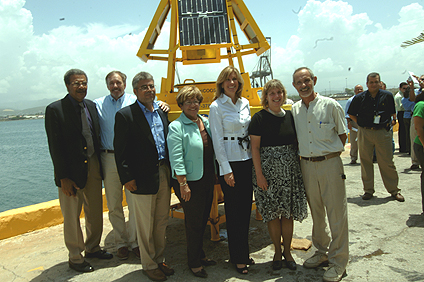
162 162
108 151
240 140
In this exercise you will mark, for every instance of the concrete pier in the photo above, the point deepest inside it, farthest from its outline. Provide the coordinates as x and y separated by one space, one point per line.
386 243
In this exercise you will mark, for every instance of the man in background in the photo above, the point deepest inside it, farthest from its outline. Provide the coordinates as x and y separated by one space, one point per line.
400 110
72 128
353 127
374 112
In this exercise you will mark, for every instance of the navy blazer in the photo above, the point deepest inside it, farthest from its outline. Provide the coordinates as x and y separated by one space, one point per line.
136 155
67 145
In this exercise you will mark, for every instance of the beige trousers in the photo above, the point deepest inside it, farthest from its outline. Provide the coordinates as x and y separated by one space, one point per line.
91 198
326 194
124 237
381 140
151 215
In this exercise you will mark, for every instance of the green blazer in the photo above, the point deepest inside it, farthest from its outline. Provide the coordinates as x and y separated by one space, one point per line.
185 147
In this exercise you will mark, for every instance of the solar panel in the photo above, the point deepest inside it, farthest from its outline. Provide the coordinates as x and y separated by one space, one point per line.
203 22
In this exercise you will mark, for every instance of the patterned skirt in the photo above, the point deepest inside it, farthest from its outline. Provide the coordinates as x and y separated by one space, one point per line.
285 195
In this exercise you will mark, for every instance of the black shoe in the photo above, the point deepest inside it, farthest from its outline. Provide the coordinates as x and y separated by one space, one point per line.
102 254
81 267
414 167
352 162
243 270
290 264
277 264
366 196
201 273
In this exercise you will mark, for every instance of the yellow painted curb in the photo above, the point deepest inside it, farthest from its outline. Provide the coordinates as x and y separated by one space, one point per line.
26 219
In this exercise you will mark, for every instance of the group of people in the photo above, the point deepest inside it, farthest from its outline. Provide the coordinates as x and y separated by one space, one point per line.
286 158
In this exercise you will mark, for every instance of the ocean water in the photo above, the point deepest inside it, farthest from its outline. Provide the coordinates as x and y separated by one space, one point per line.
26 169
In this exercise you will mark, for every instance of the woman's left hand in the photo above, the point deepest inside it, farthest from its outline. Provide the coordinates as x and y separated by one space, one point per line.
185 192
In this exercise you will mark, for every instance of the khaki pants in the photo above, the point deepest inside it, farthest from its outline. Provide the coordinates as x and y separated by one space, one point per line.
124 237
151 215
381 140
91 198
326 194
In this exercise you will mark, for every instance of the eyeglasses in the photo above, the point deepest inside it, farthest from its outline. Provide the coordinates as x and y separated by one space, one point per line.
146 87
78 84
189 103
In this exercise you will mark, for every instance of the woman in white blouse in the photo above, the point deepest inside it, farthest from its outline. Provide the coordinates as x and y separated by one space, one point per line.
229 119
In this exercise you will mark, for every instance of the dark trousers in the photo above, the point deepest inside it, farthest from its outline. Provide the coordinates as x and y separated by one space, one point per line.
407 122
238 207
196 215
401 133
419 152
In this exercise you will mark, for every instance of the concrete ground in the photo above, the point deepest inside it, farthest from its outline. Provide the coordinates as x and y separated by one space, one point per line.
386 243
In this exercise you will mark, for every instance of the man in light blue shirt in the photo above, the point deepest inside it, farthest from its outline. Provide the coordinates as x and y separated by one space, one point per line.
107 107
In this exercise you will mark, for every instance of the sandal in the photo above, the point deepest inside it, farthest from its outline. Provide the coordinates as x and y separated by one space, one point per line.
243 270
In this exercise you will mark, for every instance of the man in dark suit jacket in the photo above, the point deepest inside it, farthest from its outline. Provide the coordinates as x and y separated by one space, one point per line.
142 161
72 128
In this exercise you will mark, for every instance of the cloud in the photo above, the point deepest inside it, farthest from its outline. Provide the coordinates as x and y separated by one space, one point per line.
33 65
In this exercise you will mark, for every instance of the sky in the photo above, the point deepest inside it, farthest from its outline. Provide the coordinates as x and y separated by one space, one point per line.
341 41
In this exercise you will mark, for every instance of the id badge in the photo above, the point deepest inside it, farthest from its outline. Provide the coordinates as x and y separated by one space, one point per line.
377 119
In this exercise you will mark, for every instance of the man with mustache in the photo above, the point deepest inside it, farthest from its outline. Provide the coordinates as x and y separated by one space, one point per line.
72 128
321 134
107 107
142 160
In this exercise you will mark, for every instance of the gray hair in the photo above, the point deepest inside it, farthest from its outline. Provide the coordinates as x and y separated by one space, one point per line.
71 72
373 74
304 68
141 76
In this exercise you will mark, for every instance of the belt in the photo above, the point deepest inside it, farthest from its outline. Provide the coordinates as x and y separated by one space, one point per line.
322 158
108 151
372 128
240 140
162 162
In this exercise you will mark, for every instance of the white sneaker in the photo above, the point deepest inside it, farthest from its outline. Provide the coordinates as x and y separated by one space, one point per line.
316 260
334 274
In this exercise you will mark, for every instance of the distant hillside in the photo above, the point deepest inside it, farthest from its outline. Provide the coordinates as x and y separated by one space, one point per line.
29 111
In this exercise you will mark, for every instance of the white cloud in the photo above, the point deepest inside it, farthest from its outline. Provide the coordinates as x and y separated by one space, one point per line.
330 38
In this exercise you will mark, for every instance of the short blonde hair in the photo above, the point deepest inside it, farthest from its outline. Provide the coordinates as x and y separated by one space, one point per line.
273 83
223 76
189 92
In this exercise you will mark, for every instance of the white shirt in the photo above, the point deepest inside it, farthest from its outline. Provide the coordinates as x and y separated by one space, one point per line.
229 120
319 126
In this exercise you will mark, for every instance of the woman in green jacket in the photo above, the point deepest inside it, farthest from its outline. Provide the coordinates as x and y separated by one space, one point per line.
192 164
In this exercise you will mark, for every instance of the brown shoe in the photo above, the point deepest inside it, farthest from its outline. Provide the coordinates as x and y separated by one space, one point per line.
155 274
399 197
165 269
136 251
366 196
123 253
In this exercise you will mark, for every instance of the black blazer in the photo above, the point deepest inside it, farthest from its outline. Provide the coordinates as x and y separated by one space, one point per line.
136 155
67 145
